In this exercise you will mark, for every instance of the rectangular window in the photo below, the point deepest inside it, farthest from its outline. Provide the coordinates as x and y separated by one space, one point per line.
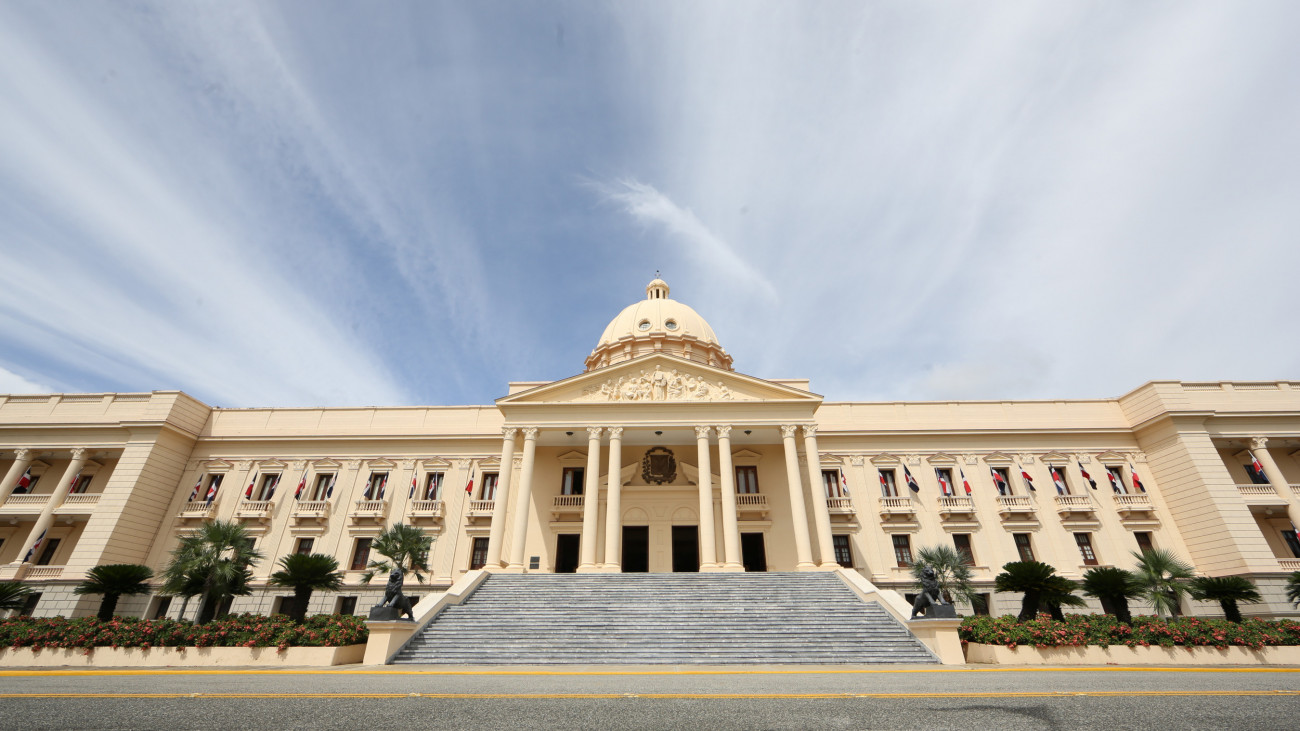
1257 477
903 550
944 476
267 487
83 484
747 480
375 486
433 486
1003 481
361 554
843 553
1023 547
346 605
961 541
1059 480
831 479
47 554
1292 542
888 486
573 478
305 545
321 490
1085 548
164 605
31 486
478 554
1144 542
29 605
1116 476
489 490
214 484
986 606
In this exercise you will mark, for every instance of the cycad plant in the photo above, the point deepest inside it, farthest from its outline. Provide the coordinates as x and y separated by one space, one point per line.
115 580
1228 591
1114 587
13 595
212 563
952 572
401 545
1162 576
304 573
1060 593
1039 584
1293 588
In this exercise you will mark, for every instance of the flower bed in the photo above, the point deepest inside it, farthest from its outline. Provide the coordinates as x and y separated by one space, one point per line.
244 630
1103 630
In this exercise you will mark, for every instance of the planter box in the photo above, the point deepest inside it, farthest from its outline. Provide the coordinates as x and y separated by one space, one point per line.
977 654
109 657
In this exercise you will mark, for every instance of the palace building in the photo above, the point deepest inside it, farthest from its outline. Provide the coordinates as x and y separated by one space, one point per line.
660 456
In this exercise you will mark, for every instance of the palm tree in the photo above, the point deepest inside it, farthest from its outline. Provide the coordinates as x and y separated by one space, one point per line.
212 563
1293 588
952 571
1060 593
1227 591
402 545
1038 582
1161 574
115 580
13 595
304 573
1114 587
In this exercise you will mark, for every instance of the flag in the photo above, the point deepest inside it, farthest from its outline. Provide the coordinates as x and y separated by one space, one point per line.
1086 476
1114 483
1259 468
911 481
370 486
274 484
431 490
248 494
32 551
884 486
1137 484
411 494
382 482
964 482
23 482
75 480
302 485
999 481
1059 481
1295 531
844 485
329 491
212 490
194 494
943 483
1029 481
469 487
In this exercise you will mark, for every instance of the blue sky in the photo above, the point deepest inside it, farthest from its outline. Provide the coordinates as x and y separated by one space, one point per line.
317 203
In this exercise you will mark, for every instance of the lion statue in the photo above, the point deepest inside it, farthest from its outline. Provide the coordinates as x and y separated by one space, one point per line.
393 596
931 594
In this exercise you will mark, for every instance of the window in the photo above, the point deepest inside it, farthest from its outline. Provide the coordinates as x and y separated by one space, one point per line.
282 605
1144 542
267 487
834 488
47 555
375 486
1292 542
1256 476
1116 475
361 554
944 476
433 486
478 555
324 485
1002 480
83 483
164 605
985 607
1023 547
1085 548
747 480
843 553
250 543
1059 480
489 486
29 605
888 487
346 605
961 541
305 545
573 477
214 484
903 550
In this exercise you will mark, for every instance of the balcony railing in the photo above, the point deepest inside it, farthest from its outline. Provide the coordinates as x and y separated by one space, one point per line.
567 501
1008 504
311 510
426 509
480 508
1289 564
896 506
1074 504
43 572
751 503
25 503
81 500
1253 489
840 505
1129 504
197 510
370 509
1261 495
255 509
956 506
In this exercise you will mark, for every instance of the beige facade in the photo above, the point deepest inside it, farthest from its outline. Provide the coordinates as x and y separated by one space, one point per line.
660 457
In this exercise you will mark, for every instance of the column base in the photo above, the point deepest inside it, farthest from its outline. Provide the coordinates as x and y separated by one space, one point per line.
514 568
588 568
732 567
710 568
829 566
807 566
610 568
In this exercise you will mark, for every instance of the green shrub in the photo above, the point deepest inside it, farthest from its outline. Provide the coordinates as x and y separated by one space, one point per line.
1103 630
242 630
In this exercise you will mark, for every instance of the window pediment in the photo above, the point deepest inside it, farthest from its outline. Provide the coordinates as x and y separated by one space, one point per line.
942 459
1112 459
887 460
999 459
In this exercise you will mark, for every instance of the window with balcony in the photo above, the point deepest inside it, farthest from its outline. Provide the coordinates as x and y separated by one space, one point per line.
1144 541
214 485
266 486
943 476
831 480
1002 480
83 484
1257 477
573 480
1116 477
323 486
1084 540
888 485
375 486
305 545
489 490
1023 546
747 480
29 488
478 554
843 552
1059 480
961 542
903 550
47 554
361 554
432 486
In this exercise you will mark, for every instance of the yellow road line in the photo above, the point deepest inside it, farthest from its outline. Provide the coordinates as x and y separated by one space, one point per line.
658 696
821 671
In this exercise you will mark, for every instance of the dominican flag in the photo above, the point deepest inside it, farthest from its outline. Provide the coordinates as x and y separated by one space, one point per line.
1086 476
248 494
32 551
469 486
212 491
274 484
75 480
943 483
1295 531
411 494
23 482
383 481
1137 484
844 485
999 481
1029 481
302 485
911 481
194 494
964 482
1259 468
1114 483
1059 481
884 486
329 491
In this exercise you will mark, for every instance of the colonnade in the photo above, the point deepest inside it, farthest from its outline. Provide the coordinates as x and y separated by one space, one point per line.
23 460
706 438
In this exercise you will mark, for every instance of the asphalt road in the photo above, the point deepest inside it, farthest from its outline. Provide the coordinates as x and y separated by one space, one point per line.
655 697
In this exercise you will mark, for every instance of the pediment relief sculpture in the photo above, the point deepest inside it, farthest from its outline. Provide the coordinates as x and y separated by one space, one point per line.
660 384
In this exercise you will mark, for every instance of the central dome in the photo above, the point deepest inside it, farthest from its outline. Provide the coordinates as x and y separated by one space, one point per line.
658 324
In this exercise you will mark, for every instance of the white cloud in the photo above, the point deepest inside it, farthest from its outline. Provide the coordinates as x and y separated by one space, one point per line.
11 382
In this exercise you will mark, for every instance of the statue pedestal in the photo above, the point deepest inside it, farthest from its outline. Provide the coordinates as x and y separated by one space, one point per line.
940 635
387 614
941 611
386 638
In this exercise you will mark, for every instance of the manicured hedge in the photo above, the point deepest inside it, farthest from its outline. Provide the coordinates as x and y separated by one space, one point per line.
241 630
1104 630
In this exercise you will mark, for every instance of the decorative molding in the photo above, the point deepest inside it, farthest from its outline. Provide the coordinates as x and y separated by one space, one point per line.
999 459
594 432
724 432
788 430
21 454
615 432
658 466
942 459
914 460
857 460
660 385
810 430
887 460
353 464
1138 457
1259 442
79 453
1026 458
1111 459
407 464
530 433
702 432
1082 459
1055 459
243 464
509 432
970 459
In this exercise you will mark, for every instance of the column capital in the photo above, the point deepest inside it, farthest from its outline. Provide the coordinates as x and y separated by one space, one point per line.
702 432
21 454
1258 442
509 432
79 453
788 430
724 432
615 432
530 432
593 432
810 430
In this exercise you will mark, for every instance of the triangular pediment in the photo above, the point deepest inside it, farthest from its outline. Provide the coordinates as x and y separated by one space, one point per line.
1055 459
325 464
998 459
1111 459
885 459
218 465
658 379
942 460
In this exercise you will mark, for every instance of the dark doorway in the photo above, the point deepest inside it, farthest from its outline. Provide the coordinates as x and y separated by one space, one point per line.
566 553
636 549
752 553
686 548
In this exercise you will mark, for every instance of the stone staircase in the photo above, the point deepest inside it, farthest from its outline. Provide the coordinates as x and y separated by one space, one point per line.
664 619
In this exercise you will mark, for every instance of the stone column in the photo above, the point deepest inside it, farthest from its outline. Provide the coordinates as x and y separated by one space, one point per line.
798 513
1258 447
708 538
525 499
590 501
46 518
497 531
821 514
614 503
730 524
22 460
